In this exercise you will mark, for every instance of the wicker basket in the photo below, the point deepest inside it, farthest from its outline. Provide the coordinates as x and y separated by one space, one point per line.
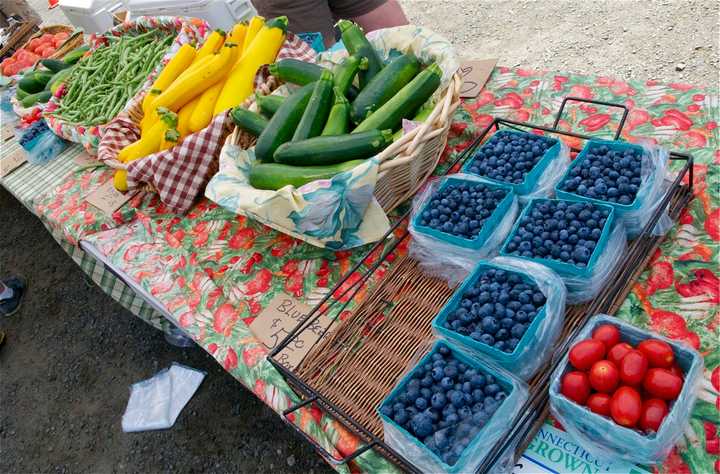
406 164
73 41
19 38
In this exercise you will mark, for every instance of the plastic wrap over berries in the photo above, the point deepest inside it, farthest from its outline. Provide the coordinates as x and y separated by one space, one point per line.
449 408
629 177
532 164
600 435
509 310
458 220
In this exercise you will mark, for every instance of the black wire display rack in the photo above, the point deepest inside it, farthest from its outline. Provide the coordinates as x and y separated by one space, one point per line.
535 410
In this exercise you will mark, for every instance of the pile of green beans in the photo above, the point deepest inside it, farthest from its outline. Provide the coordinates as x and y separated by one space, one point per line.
102 83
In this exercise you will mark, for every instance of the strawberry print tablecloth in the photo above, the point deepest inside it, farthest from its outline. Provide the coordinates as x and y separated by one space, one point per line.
215 271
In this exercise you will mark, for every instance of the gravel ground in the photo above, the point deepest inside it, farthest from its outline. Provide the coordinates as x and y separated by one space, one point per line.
72 352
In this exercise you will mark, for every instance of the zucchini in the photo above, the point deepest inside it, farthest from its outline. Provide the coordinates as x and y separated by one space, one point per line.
74 56
317 110
34 81
422 114
296 71
405 103
268 104
345 71
330 150
249 121
54 65
37 98
384 86
275 176
57 79
337 122
282 125
20 94
357 44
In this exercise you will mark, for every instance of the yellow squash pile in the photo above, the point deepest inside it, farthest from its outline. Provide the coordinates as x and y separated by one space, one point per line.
197 85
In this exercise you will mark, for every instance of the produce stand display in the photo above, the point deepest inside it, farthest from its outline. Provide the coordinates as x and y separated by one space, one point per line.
350 372
213 272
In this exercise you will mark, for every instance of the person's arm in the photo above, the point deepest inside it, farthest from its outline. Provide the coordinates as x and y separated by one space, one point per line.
387 15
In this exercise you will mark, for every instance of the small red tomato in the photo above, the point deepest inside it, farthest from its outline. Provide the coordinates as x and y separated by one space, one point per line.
599 403
654 411
585 353
608 334
576 386
625 406
713 446
618 351
661 383
658 353
604 376
675 369
633 368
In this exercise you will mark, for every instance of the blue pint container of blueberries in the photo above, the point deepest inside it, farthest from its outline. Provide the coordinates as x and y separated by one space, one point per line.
567 236
515 158
607 172
531 317
472 239
445 414
600 435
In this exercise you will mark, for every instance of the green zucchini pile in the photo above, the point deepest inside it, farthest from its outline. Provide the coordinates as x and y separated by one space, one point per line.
330 125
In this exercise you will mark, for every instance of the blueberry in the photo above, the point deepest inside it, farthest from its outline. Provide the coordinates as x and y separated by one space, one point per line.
387 410
492 389
421 425
400 417
457 399
438 400
477 381
518 330
447 382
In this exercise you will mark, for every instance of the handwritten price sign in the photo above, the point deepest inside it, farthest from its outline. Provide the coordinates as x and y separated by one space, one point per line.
474 74
107 198
11 162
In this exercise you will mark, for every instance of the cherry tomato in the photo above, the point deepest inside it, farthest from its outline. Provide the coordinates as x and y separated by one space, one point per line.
617 352
653 413
661 383
608 334
675 369
585 353
659 353
599 403
625 406
633 368
575 386
604 376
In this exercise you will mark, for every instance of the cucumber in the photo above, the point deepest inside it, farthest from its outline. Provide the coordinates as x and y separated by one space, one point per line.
249 121
282 125
405 103
275 176
296 71
74 56
330 150
357 44
384 86
268 104
344 73
37 98
20 94
54 65
317 110
34 81
57 79
337 122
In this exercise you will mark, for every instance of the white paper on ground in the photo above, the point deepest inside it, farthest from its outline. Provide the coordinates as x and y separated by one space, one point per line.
156 403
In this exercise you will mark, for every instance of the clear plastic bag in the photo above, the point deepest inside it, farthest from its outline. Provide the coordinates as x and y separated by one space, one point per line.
605 439
581 289
479 431
533 349
651 190
452 258
156 403
41 144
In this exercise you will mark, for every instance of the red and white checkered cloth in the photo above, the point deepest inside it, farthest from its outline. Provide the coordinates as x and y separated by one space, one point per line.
181 173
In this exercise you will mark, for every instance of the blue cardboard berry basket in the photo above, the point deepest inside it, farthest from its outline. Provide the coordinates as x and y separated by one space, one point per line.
532 177
620 209
539 336
415 451
562 268
488 227
600 435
